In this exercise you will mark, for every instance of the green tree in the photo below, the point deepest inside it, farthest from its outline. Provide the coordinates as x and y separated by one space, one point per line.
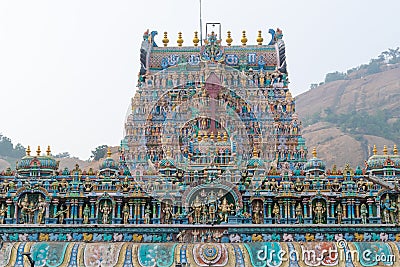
99 152
335 76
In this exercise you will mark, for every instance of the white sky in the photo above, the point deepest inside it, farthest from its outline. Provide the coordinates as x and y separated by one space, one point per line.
69 68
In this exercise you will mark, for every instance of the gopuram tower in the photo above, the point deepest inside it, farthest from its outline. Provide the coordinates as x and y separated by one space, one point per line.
213 115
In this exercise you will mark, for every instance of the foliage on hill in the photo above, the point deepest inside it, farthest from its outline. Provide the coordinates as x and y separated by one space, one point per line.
375 65
8 150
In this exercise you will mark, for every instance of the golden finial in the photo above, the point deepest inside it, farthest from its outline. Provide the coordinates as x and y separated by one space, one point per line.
375 150
229 39
199 137
394 150
28 151
165 40
259 38
212 136
219 137
255 152
196 39
314 152
168 152
205 137
385 150
48 151
225 137
109 152
38 151
244 38
180 40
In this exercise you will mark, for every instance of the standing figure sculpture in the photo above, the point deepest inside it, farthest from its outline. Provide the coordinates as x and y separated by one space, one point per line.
257 213
106 210
299 214
167 213
224 210
363 213
277 213
339 213
147 214
86 214
211 212
61 214
3 211
31 212
387 210
393 212
41 207
23 204
319 210
125 212
196 206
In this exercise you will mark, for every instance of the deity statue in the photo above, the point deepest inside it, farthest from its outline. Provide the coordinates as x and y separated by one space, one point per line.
167 213
339 213
126 213
147 214
88 185
41 207
211 212
31 212
86 214
61 214
257 213
273 185
398 209
224 210
299 214
387 210
125 185
24 207
319 210
3 211
363 213
298 185
393 212
106 210
196 206
277 213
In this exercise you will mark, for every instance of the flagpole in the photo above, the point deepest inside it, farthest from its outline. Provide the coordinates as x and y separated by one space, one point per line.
201 27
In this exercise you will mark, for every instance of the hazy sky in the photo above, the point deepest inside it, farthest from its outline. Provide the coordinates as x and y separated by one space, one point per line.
69 68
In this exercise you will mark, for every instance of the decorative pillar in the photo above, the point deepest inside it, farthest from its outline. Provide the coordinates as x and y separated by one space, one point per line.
55 206
293 212
142 211
76 209
154 208
349 209
378 208
305 209
333 209
357 209
119 208
159 210
16 212
269 213
68 204
8 202
131 210
92 213
370 210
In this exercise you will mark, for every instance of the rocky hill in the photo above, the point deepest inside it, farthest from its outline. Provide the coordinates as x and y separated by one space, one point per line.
344 119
